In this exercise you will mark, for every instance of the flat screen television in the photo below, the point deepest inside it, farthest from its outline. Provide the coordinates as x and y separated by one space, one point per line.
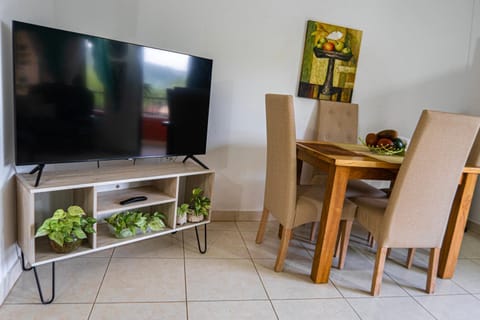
80 97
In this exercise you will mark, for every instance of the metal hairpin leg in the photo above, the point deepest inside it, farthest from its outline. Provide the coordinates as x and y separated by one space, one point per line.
38 282
205 240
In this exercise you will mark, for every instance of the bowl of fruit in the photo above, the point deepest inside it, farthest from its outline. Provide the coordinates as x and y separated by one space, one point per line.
385 142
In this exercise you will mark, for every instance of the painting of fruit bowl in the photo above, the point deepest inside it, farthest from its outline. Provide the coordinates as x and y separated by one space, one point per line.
329 64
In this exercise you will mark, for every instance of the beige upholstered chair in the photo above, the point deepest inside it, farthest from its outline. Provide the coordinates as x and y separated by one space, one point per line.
416 214
291 204
338 122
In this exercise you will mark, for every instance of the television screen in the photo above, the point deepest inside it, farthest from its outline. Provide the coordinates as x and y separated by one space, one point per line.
80 97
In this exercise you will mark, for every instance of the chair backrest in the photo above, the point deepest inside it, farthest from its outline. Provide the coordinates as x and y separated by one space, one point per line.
421 199
281 179
337 122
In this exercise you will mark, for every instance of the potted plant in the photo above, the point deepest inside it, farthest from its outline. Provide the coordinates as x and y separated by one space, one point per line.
200 206
182 211
66 229
129 223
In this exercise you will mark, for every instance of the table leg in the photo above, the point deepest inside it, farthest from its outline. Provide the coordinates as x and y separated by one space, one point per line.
452 240
329 223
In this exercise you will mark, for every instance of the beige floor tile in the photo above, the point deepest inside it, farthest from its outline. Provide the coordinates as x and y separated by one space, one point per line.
220 244
252 226
143 280
458 307
101 254
356 278
293 282
315 309
470 247
222 279
467 275
232 310
150 311
218 225
41 312
414 280
268 249
76 281
399 308
167 246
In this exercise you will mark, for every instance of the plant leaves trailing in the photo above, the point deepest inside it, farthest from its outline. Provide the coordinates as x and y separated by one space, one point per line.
67 226
125 224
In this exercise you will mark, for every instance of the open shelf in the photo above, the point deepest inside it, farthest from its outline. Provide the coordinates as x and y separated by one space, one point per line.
99 193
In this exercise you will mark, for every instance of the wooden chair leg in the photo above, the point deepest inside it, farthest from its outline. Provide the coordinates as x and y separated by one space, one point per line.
370 240
432 269
411 254
262 226
313 230
389 251
378 271
346 229
282 251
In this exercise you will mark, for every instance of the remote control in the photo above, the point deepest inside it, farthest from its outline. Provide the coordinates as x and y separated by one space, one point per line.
133 199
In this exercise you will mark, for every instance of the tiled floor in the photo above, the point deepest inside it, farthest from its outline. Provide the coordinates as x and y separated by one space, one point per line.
167 278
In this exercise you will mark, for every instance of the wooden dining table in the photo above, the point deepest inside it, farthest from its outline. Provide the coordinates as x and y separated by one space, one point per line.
342 162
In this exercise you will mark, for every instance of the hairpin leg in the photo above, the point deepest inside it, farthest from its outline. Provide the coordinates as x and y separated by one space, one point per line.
205 240
38 282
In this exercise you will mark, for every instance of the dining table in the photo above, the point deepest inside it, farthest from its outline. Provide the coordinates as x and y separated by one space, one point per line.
343 162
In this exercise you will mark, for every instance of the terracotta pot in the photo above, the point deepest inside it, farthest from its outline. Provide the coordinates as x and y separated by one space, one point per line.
67 246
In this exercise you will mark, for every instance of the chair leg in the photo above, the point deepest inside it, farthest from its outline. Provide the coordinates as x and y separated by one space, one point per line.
432 269
262 226
411 254
313 230
378 271
370 240
282 251
346 229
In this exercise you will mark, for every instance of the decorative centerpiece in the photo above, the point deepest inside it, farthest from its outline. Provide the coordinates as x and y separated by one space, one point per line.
67 229
385 142
129 223
200 206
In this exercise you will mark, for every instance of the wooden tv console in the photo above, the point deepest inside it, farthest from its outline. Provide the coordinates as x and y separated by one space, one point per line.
98 192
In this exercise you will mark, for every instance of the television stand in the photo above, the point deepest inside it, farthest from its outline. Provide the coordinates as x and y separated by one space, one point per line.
38 168
191 156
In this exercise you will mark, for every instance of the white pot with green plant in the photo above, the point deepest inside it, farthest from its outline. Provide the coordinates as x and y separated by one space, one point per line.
200 206
67 229
130 223
182 211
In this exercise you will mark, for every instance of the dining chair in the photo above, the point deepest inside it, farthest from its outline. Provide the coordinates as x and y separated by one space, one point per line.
338 122
474 161
291 204
416 213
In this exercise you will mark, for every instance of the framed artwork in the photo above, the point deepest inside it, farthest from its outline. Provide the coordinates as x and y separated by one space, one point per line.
329 63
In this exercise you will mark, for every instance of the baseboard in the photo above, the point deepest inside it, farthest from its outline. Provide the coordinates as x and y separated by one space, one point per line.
225 215
473 226
8 282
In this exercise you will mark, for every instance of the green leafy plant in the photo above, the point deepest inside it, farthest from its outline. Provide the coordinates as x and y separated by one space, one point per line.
199 203
67 226
126 224
183 209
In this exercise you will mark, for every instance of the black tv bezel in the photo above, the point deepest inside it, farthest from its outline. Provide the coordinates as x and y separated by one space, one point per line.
99 159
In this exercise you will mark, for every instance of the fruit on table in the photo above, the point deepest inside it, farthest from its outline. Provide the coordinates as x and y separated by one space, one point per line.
385 142
388 133
371 139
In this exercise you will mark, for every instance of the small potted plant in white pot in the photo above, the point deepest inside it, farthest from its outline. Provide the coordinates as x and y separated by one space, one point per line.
200 206
182 211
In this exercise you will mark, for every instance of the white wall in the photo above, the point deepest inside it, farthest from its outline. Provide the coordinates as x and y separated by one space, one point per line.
415 54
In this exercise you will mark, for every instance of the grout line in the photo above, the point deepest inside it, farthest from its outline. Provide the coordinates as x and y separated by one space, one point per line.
256 270
185 275
101 284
